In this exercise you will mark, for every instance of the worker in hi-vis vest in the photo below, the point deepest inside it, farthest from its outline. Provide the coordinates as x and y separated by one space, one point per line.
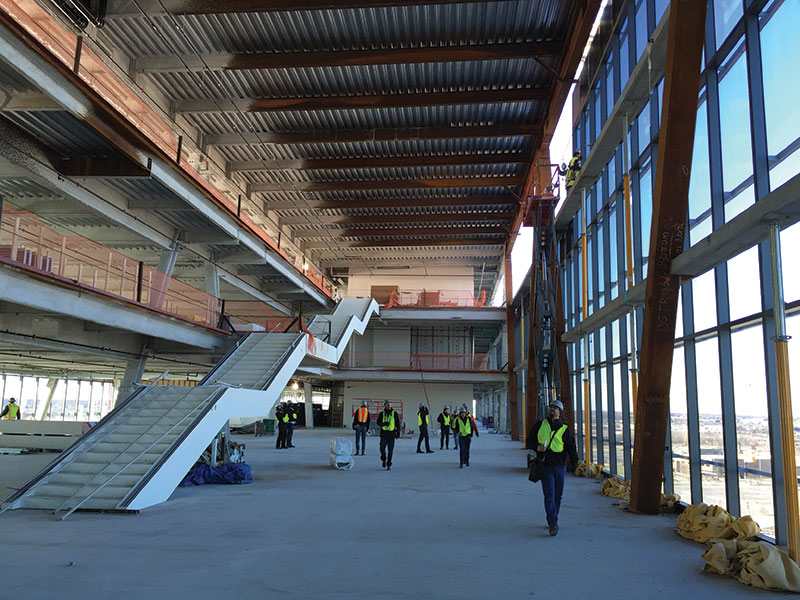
423 420
291 412
361 426
389 424
444 420
282 418
11 412
464 427
553 439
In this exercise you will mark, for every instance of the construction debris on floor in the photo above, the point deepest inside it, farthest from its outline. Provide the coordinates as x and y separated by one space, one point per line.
753 562
614 487
226 473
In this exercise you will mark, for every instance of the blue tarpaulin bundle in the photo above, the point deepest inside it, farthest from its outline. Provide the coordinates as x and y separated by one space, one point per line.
227 473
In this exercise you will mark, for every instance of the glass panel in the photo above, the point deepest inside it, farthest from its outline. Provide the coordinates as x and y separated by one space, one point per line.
646 214
793 330
704 301
744 293
27 399
710 408
618 429
679 427
661 7
780 47
643 124
790 249
613 250
734 120
624 54
726 14
641 27
752 427
700 183
604 410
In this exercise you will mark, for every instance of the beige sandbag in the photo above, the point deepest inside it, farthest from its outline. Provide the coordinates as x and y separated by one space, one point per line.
589 470
613 487
744 528
702 523
765 566
720 557
668 502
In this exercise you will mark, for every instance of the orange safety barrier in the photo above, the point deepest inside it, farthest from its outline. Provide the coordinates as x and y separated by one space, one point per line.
94 70
435 299
416 361
27 242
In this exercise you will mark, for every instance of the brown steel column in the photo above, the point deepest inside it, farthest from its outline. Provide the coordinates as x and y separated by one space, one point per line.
675 141
510 338
532 386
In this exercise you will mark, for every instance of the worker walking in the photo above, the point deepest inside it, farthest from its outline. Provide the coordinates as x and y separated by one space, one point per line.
360 426
282 418
464 426
554 441
444 425
11 412
291 412
423 420
389 424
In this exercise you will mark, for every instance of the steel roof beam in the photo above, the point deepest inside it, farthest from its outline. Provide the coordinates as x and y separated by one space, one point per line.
186 63
386 184
322 136
247 105
432 202
373 162
128 8
404 244
404 232
326 220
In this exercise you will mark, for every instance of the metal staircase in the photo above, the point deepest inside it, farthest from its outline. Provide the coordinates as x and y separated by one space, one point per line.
138 454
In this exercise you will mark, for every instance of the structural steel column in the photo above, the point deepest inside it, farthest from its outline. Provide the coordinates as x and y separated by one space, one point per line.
532 387
308 390
670 203
511 342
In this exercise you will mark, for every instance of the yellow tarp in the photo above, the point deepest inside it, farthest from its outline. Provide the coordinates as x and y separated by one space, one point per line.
753 563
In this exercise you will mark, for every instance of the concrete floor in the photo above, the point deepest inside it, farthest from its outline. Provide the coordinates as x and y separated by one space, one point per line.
304 530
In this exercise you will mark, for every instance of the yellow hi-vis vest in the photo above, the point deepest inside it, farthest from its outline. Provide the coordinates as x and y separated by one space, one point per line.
557 445
391 425
464 426
427 419
445 420
11 415
285 418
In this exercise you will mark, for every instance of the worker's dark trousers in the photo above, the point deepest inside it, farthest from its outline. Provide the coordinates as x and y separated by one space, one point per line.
463 449
387 447
552 488
444 438
289 434
281 441
361 436
423 434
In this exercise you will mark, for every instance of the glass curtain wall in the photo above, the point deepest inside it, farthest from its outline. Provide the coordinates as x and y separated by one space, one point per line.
723 404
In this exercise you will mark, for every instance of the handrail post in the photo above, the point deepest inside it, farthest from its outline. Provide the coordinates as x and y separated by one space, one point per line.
139 281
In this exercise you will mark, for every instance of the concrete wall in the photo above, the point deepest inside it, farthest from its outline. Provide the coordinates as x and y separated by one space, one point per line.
410 394
455 278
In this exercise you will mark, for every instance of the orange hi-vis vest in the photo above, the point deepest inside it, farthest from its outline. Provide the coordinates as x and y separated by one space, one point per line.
363 415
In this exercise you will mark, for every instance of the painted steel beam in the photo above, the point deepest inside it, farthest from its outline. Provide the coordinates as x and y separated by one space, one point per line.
386 184
320 221
128 8
464 315
373 162
404 244
400 376
254 105
27 102
512 347
340 136
187 63
405 232
670 202
454 202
